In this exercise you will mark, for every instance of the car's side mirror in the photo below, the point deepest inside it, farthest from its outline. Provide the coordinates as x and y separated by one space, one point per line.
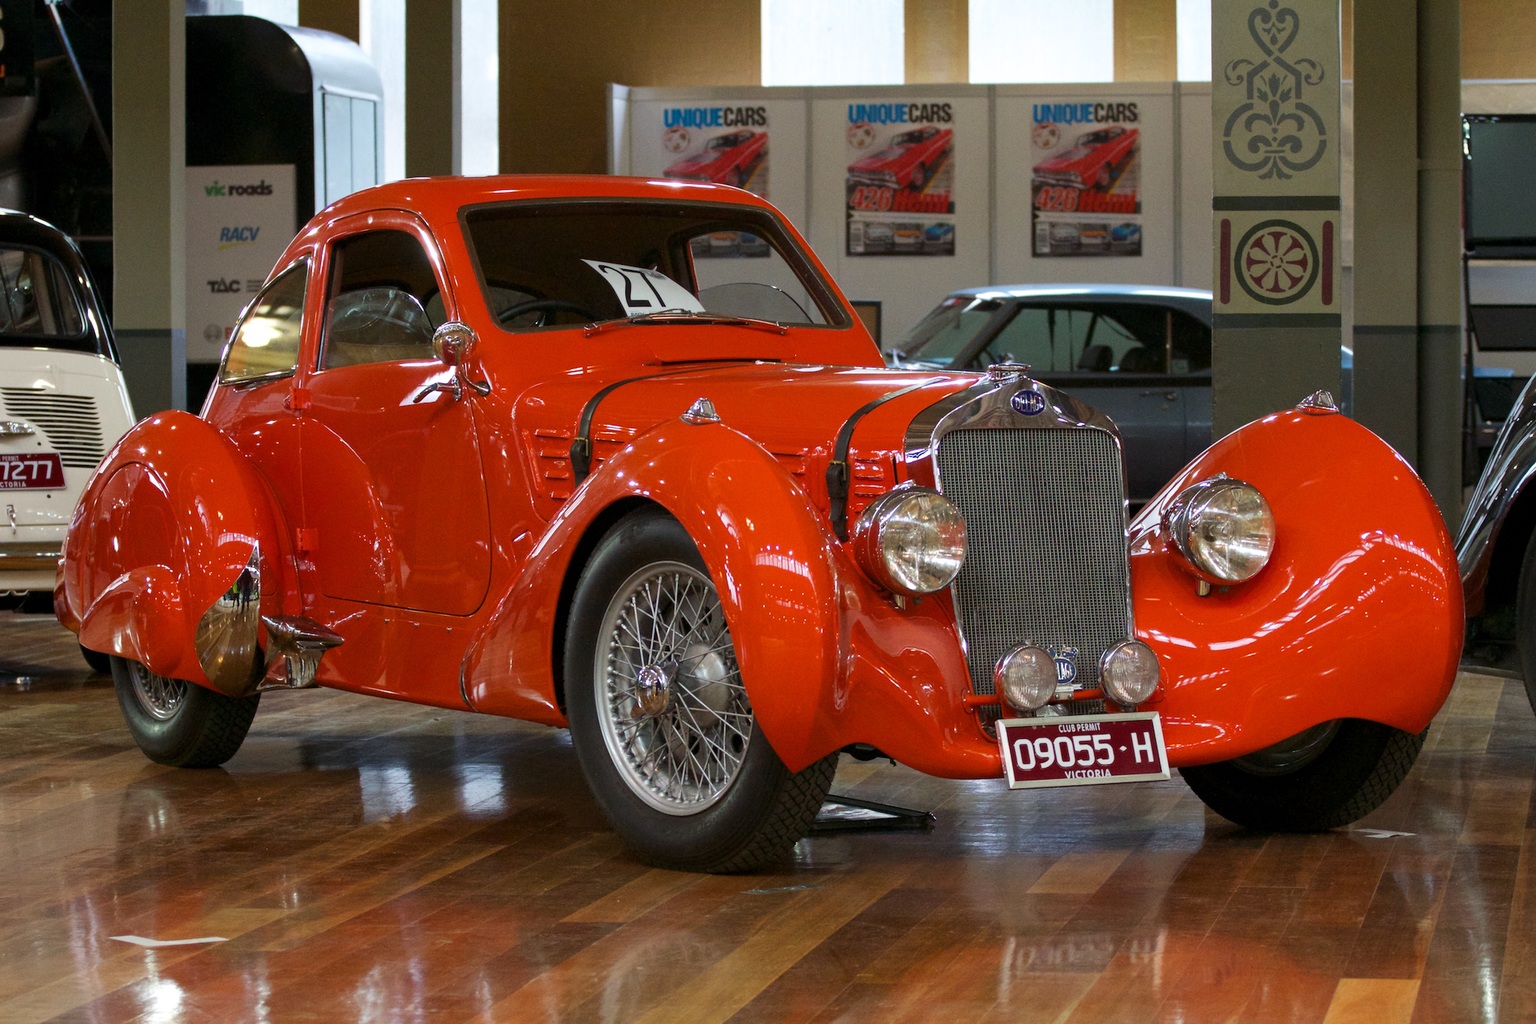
454 342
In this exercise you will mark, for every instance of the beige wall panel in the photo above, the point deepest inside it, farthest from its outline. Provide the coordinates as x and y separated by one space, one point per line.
557 61
1498 39
339 16
937 41
1146 47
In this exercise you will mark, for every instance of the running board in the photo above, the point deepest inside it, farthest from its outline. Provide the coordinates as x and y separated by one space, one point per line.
300 642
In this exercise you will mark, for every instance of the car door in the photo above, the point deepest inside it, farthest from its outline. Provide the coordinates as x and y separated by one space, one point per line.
395 503
1118 359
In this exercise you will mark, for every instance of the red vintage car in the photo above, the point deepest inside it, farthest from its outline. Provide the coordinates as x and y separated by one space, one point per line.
1094 161
502 445
908 162
726 159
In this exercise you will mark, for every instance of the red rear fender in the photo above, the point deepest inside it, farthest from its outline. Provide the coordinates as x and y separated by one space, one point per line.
165 526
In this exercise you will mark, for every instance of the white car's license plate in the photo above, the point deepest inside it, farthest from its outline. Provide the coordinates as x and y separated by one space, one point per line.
1083 750
32 471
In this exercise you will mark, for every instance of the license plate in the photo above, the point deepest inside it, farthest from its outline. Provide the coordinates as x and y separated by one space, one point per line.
1084 750
37 471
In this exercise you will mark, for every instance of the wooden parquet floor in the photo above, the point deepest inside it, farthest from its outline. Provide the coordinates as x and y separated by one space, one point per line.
362 860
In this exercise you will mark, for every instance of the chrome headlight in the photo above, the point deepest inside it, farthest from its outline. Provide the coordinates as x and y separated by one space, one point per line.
1129 672
1026 677
911 540
1224 528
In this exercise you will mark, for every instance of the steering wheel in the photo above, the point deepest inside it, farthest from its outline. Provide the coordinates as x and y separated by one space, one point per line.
544 306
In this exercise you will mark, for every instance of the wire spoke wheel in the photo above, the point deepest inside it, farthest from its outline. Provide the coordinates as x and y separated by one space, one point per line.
660 719
672 708
177 722
160 697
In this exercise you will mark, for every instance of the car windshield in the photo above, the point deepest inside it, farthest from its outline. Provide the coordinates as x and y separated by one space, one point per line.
553 264
41 308
943 335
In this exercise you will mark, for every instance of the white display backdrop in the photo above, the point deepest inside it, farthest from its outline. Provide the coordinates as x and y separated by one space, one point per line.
987 171
1193 185
239 221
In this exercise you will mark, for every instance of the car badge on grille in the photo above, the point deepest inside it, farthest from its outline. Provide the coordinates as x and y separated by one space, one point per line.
1028 402
14 428
1066 664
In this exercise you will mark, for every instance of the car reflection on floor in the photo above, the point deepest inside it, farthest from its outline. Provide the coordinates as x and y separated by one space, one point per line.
433 865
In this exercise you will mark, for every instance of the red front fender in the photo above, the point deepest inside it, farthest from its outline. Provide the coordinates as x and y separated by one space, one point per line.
163 528
1357 615
766 551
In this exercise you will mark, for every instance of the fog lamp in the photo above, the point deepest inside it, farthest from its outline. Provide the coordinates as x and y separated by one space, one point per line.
1224 528
910 540
1128 673
1026 677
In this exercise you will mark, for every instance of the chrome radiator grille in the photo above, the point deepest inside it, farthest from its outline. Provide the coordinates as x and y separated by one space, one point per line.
70 424
1045 517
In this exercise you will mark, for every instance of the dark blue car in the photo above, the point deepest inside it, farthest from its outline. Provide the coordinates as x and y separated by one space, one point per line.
1140 354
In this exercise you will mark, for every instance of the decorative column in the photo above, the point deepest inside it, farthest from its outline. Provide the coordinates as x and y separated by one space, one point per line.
452 91
1277 315
149 48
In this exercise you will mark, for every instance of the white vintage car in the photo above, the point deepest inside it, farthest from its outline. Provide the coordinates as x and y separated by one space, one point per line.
62 399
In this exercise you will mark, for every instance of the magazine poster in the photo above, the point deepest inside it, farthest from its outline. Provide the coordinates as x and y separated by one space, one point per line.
1085 179
726 144
901 179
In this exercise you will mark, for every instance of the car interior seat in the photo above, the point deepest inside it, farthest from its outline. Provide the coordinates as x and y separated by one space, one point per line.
1141 359
1096 358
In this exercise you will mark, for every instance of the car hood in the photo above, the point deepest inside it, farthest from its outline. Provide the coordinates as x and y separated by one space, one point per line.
793 411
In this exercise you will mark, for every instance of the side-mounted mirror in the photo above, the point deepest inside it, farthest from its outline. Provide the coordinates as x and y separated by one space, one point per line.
454 342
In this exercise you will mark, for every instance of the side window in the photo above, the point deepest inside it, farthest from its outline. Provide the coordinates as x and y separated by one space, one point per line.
381 287
38 298
266 344
1191 344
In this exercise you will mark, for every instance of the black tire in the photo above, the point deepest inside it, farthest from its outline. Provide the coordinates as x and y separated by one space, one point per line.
1322 778
180 723
1525 621
100 663
672 696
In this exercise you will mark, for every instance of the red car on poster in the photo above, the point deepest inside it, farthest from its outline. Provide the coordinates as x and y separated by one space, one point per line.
502 445
726 159
908 162
1094 161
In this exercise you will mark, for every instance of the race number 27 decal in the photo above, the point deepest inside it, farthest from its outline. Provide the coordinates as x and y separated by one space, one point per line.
641 290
